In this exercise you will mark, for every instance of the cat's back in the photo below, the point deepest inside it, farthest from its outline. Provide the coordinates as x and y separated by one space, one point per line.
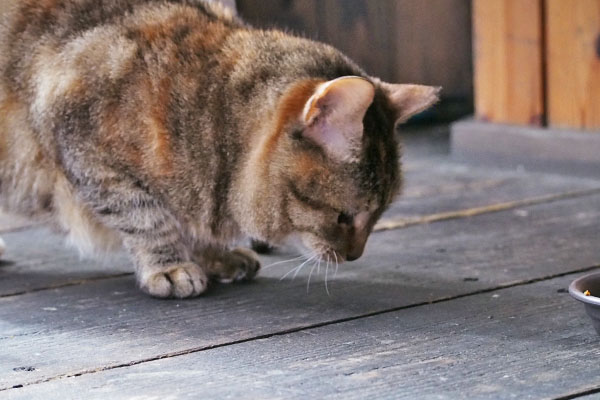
35 33
57 55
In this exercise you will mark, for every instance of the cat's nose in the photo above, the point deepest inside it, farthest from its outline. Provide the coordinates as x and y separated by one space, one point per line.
356 246
353 256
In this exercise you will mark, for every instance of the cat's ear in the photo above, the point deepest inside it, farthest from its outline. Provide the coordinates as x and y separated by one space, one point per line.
333 115
408 100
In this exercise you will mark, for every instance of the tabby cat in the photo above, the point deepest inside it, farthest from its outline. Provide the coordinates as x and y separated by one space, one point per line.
173 129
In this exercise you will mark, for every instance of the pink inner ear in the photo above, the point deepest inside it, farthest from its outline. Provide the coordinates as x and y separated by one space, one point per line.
337 139
334 115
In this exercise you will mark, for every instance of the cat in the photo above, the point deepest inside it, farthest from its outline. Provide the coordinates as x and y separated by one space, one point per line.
172 129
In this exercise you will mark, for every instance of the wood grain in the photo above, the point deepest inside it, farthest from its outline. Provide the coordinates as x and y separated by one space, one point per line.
425 41
440 187
38 258
573 65
514 343
433 188
109 323
433 44
508 61
526 148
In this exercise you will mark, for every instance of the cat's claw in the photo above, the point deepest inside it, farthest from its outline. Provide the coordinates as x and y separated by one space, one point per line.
238 265
179 281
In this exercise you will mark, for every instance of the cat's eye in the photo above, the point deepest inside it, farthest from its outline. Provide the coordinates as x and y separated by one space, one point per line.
345 219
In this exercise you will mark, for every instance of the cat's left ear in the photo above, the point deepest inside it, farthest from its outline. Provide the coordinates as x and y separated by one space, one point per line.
334 114
408 100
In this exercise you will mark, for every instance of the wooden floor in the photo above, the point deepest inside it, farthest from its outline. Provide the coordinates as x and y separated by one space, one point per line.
461 294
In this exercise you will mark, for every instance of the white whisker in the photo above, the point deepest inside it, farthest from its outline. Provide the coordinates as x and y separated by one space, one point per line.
326 271
282 262
296 268
336 265
310 274
301 266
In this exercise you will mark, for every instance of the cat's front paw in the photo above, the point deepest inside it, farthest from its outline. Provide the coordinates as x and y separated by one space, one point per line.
180 281
237 265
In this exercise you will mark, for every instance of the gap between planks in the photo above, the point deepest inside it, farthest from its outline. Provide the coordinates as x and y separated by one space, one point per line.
582 393
399 223
386 224
67 284
319 325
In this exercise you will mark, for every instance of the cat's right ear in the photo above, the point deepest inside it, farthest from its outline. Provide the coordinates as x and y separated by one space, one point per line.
333 115
408 100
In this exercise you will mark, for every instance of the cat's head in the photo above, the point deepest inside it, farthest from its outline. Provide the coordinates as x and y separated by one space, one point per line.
328 165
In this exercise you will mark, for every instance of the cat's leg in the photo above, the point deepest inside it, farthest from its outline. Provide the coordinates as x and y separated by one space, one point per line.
163 265
162 258
228 266
2 247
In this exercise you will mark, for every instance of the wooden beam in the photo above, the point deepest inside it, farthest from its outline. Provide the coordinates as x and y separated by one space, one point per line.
433 45
508 61
573 63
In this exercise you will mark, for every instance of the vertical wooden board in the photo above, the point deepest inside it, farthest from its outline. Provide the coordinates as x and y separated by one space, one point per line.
433 44
573 63
427 41
507 55
362 30
299 17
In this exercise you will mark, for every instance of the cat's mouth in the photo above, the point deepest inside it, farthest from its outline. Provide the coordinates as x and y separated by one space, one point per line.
313 247
328 254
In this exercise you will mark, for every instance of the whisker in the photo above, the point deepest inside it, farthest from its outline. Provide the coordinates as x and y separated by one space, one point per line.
326 271
296 268
310 274
301 266
319 267
336 265
284 261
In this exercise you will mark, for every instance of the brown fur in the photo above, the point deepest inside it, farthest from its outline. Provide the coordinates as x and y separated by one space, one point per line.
173 129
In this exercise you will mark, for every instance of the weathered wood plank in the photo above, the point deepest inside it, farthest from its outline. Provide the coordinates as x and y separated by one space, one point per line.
508 61
573 63
37 258
567 152
432 186
441 187
511 343
588 392
107 323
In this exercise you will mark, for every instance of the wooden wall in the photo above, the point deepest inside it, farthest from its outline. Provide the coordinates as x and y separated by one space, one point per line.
573 67
420 41
507 53
537 62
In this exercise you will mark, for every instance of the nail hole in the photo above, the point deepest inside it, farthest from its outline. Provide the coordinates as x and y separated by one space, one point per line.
28 369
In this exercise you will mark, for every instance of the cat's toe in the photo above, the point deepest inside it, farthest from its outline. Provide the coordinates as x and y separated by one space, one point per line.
179 281
240 264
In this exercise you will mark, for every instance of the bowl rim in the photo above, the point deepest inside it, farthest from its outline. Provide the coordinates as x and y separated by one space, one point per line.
578 294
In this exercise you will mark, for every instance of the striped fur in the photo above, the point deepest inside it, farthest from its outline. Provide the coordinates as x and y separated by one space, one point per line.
173 129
